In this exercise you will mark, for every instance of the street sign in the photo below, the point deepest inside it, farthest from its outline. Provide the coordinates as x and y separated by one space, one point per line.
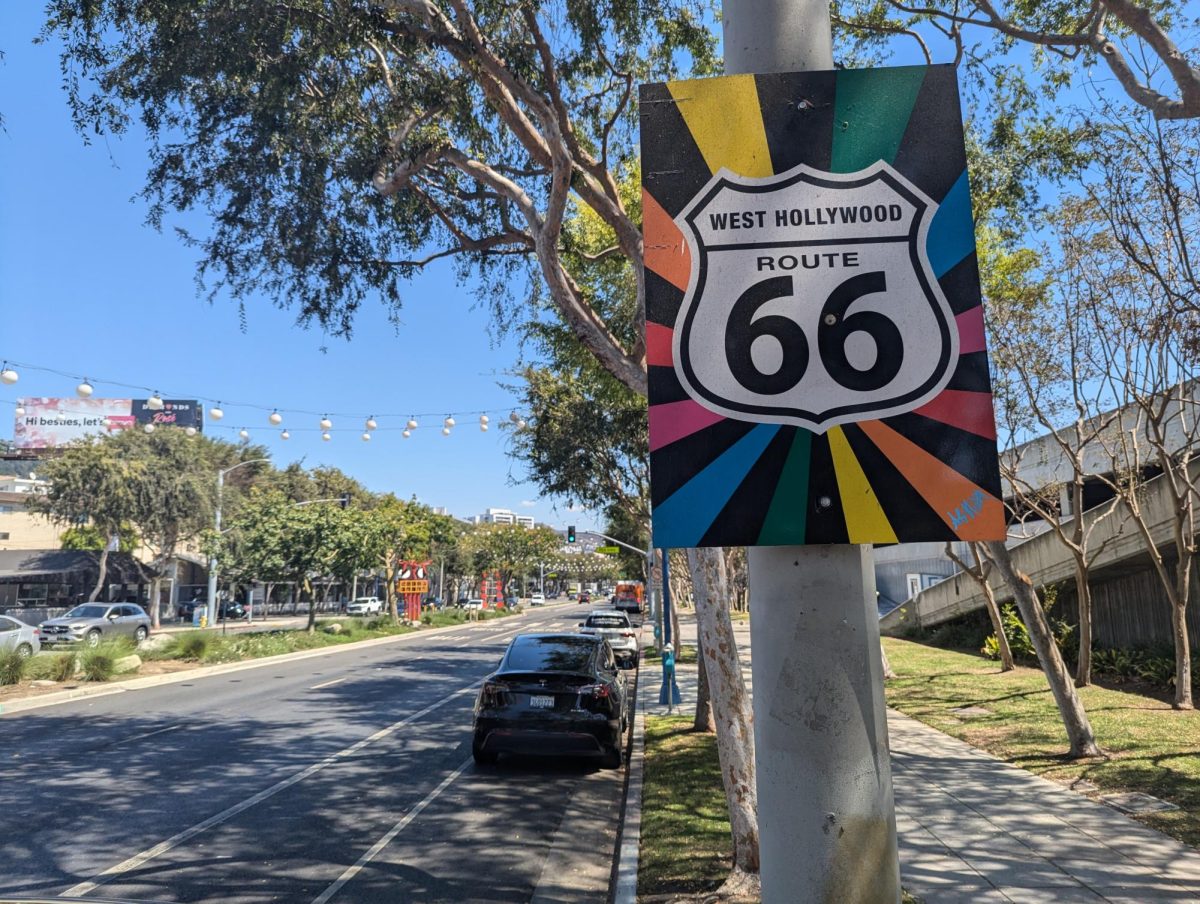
412 586
608 550
814 330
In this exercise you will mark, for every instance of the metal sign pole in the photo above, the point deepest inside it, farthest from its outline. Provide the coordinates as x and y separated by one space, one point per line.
827 826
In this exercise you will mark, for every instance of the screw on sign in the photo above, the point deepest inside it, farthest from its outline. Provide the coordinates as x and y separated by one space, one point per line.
814 331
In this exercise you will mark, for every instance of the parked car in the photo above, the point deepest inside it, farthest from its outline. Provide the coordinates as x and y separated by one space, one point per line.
365 605
16 635
614 627
88 623
473 602
538 599
226 609
433 602
553 694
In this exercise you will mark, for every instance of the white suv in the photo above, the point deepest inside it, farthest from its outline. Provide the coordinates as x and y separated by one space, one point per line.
538 599
365 605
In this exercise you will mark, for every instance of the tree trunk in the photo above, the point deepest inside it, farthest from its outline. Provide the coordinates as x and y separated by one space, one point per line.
887 666
1083 592
993 610
731 710
704 714
1070 707
1183 658
101 576
155 601
312 606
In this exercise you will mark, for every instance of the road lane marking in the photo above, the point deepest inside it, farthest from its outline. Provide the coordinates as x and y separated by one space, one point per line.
84 888
148 734
317 687
391 833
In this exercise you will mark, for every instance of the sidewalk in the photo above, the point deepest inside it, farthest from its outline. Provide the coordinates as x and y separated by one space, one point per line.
974 829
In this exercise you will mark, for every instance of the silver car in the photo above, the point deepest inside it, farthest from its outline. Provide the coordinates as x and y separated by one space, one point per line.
88 623
16 635
614 627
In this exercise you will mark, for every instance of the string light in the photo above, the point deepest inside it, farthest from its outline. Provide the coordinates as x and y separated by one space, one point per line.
190 431
366 437
244 433
325 436
445 431
513 416
449 421
149 428
483 426
521 423
215 412
275 419
371 424
20 412
155 402
285 435
85 389
326 423
8 376
412 423
407 433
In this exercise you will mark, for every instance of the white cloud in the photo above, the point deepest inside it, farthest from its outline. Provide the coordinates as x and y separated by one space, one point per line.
528 503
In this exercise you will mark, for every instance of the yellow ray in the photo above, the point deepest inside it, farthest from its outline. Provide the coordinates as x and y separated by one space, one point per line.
865 520
725 120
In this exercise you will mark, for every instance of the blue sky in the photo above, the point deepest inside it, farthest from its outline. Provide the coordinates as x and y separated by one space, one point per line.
88 289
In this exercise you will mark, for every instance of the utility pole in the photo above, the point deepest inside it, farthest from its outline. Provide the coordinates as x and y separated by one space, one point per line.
212 561
826 818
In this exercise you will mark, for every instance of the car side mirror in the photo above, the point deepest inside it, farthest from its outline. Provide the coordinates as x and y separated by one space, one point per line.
583 624
112 616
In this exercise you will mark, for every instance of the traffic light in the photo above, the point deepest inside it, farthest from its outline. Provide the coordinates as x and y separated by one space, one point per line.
571 533
344 500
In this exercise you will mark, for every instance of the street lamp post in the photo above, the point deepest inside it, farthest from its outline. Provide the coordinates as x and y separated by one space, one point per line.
212 562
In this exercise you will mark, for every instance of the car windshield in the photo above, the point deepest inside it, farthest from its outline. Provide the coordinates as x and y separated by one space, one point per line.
549 654
607 621
87 612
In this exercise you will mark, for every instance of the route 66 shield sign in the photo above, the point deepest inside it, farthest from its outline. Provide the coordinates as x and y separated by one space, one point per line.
817 287
817 366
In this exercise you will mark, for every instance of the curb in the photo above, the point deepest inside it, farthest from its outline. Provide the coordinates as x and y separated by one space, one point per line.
23 704
625 889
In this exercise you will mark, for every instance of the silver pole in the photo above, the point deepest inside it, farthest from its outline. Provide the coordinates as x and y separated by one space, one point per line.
826 819
212 562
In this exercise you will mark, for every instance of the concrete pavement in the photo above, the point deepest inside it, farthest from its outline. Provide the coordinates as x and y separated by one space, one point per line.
975 830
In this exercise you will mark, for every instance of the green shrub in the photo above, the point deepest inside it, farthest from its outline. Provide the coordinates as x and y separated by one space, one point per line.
97 664
192 645
991 647
12 666
62 667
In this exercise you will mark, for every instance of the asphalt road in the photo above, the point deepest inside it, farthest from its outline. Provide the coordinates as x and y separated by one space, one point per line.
344 778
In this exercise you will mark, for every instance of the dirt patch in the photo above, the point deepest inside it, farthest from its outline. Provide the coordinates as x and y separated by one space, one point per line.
26 689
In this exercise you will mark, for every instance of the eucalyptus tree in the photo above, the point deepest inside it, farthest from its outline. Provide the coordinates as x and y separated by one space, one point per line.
90 484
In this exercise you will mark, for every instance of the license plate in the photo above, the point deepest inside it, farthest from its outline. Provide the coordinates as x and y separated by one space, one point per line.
539 702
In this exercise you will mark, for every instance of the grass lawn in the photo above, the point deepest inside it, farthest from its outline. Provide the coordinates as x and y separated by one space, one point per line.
686 846
1151 747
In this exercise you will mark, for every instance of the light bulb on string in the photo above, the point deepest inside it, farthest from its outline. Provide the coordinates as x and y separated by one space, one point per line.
190 431
275 418
449 421
372 424
326 423
20 412
513 416
149 428
155 402
366 437
445 431
412 423
522 423
215 412
325 436
8 376
484 419
85 389
406 433
285 435
483 426
244 433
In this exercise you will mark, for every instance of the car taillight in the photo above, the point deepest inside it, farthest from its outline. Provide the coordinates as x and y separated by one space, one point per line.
491 694
628 634
595 690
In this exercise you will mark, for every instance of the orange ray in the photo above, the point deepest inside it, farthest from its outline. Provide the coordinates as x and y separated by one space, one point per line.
666 252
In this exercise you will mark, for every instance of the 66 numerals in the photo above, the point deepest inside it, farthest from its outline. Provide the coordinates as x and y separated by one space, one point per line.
833 331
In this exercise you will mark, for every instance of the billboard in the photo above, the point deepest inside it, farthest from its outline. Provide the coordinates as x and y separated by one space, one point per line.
49 423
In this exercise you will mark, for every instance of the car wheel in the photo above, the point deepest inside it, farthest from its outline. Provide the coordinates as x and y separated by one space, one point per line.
483 757
613 757
140 634
25 650
92 638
